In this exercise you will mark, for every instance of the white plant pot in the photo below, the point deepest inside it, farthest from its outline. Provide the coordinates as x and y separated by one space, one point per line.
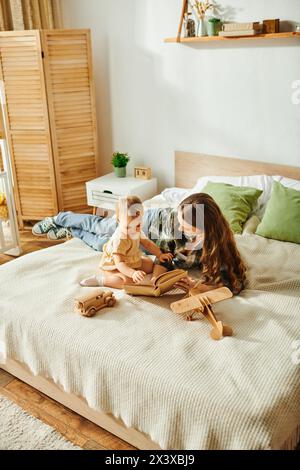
202 30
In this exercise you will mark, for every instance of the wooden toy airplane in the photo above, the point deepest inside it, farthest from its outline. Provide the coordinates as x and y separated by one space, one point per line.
201 302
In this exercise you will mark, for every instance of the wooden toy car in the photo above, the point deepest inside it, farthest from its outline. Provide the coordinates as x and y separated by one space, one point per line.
89 305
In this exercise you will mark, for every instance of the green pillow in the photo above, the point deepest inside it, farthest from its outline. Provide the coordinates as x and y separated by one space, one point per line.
282 217
235 202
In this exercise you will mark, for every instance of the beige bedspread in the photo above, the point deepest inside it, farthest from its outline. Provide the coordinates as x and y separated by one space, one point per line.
149 367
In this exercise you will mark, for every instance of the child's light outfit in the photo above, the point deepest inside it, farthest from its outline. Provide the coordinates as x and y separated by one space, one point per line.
127 247
118 245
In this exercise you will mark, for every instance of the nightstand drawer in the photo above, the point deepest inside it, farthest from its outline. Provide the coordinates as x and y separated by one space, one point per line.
104 192
101 198
104 195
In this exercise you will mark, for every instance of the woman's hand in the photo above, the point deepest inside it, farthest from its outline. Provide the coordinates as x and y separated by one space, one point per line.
165 257
138 276
186 284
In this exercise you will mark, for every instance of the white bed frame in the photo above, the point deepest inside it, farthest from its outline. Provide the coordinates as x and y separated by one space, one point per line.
189 167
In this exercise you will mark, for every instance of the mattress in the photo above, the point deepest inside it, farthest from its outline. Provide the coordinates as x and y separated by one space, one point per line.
147 366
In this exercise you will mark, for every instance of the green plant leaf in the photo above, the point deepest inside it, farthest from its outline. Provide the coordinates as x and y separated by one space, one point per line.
120 160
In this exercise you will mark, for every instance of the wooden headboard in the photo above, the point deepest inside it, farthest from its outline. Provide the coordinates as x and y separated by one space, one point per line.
191 166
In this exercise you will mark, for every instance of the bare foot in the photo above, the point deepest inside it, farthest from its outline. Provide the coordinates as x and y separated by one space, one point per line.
93 281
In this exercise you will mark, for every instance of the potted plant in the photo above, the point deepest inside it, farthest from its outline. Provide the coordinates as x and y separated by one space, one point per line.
213 26
119 161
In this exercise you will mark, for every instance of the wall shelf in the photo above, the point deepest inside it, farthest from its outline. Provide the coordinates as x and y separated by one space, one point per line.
195 40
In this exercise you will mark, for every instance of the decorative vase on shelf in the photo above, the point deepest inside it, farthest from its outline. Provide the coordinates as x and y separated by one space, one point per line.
189 26
213 26
202 31
120 172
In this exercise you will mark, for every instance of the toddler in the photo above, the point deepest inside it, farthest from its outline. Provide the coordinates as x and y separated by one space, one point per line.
122 260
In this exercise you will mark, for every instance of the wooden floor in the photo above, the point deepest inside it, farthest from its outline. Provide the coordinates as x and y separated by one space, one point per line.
73 427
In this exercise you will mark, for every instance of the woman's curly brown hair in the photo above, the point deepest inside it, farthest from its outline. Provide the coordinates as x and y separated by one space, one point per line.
219 246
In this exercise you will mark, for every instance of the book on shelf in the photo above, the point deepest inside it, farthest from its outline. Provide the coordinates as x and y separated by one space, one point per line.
162 284
232 34
242 26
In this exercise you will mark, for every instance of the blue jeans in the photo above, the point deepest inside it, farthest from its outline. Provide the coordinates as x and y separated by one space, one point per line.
95 231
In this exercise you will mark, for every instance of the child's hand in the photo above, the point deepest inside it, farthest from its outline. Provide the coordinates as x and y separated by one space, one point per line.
165 257
138 276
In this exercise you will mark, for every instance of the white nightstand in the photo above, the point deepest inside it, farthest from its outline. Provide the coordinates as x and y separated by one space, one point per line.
105 191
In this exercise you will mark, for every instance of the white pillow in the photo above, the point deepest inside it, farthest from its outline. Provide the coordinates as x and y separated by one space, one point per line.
288 182
174 196
263 182
156 202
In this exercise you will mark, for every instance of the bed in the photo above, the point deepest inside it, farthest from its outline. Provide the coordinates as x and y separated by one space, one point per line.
145 374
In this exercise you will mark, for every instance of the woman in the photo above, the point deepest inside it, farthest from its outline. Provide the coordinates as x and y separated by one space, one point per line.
220 260
197 235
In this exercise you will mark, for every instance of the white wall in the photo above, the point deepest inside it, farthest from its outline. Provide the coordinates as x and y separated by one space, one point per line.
154 98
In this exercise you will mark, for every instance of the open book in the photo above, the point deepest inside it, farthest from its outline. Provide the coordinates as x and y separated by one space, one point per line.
162 284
